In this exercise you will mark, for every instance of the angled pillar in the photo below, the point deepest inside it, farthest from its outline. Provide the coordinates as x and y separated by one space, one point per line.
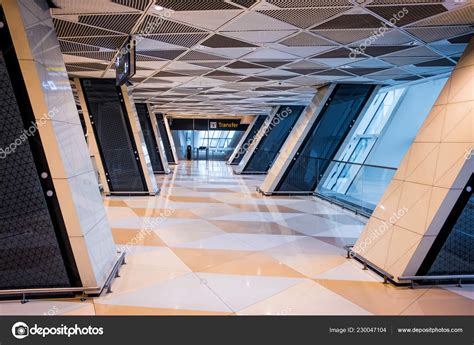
246 140
159 140
118 140
423 223
302 127
327 133
53 226
274 132
149 130
168 142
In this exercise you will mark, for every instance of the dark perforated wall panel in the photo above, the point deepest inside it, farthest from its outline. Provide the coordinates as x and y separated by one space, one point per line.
274 138
165 138
149 136
325 137
453 250
250 137
30 254
114 136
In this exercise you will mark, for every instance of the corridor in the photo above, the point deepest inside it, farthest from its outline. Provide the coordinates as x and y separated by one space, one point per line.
209 244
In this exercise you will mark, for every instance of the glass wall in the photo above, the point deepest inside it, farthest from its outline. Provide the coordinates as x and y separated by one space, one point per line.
326 136
250 137
151 145
270 144
206 144
164 137
360 172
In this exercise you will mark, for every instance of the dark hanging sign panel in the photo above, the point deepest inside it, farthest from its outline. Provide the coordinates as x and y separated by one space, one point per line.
164 137
114 136
325 137
251 136
149 136
125 63
273 139
34 247
207 125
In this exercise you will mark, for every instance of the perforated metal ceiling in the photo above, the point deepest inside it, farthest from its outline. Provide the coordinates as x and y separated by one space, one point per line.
244 56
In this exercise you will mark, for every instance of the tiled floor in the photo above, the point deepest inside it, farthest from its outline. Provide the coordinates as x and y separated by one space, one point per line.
216 247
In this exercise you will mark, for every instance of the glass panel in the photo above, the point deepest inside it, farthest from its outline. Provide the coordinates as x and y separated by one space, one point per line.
362 185
164 138
456 255
249 139
325 138
270 144
359 186
149 137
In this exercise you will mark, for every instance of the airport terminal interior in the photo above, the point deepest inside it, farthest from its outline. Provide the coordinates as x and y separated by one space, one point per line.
236 157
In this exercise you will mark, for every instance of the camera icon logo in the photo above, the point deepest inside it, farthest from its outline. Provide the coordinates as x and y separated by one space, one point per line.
20 330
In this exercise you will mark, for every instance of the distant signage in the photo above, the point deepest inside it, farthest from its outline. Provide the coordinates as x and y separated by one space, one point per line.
224 124
207 125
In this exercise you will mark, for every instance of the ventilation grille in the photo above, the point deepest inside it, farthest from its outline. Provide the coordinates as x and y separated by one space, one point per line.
136 4
158 25
411 14
304 18
110 42
344 36
432 34
67 46
194 55
337 53
123 23
463 16
104 56
306 3
351 21
163 54
304 39
219 41
184 40
193 5
70 29
245 3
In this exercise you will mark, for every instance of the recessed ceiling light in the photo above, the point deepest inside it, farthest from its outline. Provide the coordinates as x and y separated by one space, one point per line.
159 8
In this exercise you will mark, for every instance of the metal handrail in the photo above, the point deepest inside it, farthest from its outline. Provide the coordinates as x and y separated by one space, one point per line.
455 276
458 277
95 290
412 279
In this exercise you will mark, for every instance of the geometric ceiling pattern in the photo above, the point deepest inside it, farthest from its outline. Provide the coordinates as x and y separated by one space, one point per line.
245 56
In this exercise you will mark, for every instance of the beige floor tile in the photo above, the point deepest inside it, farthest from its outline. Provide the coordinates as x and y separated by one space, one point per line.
245 227
257 264
377 298
107 309
438 301
168 213
201 259
136 237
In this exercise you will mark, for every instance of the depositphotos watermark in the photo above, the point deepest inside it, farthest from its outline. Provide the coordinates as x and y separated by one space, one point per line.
379 231
21 330
275 121
469 153
29 132
376 34
150 224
